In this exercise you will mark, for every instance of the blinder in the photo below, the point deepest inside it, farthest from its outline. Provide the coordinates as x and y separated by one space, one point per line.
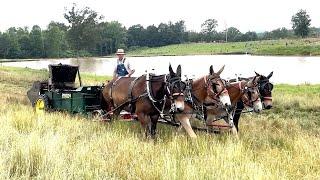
177 85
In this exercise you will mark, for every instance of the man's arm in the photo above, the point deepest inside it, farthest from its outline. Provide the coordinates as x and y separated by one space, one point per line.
128 68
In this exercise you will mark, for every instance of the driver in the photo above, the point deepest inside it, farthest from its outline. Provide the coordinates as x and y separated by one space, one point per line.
122 69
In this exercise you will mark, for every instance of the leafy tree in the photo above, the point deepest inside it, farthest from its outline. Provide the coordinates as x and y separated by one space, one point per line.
83 32
208 30
209 26
179 29
249 36
13 43
234 34
300 23
55 41
136 35
112 36
4 45
152 37
193 37
36 42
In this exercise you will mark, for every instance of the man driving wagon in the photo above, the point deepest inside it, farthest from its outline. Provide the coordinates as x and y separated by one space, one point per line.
122 68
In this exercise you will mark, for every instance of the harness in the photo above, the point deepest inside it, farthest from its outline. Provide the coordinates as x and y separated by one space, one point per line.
130 100
158 104
198 107
153 100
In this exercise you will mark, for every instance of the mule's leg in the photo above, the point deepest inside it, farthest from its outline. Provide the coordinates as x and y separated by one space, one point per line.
115 115
236 117
184 120
154 121
145 122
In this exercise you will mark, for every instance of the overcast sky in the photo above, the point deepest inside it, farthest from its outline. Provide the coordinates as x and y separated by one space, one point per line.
253 15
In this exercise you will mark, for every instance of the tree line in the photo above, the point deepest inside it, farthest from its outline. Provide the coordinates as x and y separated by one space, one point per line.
86 34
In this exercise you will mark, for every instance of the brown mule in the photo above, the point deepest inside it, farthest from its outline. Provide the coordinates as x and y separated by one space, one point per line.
265 89
247 92
148 96
199 91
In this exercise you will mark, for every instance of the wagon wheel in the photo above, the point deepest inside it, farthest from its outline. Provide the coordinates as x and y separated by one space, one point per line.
41 104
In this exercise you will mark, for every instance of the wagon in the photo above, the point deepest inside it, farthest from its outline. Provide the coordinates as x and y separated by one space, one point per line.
60 93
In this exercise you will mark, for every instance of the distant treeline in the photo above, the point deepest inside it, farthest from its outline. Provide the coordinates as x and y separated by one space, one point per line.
86 34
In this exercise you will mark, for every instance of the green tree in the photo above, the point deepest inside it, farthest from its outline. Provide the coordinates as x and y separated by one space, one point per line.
249 36
13 43
136 35
24 41
112 36
83 31
152 36
234 34
4 45
300 23
36 42
55 40
208 30
209 26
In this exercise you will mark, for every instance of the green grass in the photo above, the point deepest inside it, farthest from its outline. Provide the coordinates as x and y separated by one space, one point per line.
288 47
282 143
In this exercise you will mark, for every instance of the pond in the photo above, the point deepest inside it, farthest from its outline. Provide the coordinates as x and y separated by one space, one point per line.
289 70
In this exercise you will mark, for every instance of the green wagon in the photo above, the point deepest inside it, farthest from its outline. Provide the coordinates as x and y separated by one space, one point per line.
60 94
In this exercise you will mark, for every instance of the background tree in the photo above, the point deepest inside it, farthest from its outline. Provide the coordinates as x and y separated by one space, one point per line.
4 45
209 26
37 42
83 32
300 23
234 34
55 40
208 30
112 36
13 46
24 41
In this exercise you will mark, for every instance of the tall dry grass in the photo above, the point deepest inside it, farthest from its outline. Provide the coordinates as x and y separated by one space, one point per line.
282 143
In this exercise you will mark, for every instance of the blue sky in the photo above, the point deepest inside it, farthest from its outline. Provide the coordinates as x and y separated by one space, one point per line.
253 15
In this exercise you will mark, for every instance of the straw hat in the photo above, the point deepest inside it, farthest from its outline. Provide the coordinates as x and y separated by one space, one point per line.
120 51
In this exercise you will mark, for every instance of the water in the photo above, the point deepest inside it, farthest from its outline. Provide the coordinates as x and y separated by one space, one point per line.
289 70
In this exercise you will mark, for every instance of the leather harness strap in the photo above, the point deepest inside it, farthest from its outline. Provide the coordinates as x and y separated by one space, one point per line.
131 88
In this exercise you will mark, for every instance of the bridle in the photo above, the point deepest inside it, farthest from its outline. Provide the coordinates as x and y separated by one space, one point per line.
212 86
247 93
172 84
265 88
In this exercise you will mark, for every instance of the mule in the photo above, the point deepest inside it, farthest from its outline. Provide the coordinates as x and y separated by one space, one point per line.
199 91
148 96
244 91
265 89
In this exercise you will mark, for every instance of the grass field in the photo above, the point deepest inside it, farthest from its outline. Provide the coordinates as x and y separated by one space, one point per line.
286 47
283 143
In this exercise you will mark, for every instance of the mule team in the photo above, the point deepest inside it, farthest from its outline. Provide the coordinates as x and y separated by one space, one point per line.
208 98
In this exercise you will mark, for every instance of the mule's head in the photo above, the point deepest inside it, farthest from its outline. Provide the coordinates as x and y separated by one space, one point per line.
216 87
251 96
265 88
175 88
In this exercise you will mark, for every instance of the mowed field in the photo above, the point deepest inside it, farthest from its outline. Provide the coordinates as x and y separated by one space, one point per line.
282 47
282 143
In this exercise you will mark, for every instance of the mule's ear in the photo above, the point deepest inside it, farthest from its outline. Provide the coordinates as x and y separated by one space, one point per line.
269 76
179 71
171 70
252 81
211 70
257 74
220 71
